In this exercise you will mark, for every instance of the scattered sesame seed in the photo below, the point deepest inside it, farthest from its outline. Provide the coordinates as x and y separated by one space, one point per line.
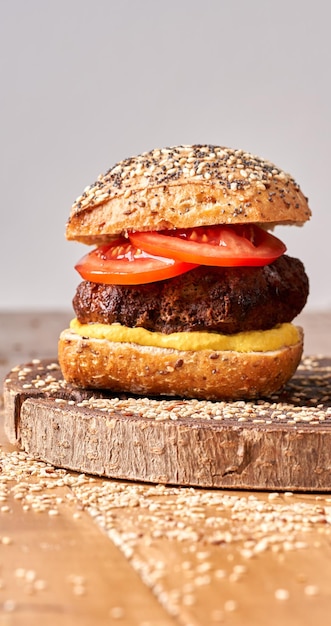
311 590
282 594
6 541
9 606
220 573
40 585
79 590
116 612
202 580
188 600
230 606
30 575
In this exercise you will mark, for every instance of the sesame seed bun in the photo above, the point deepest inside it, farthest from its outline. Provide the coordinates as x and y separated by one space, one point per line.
146 370
183 187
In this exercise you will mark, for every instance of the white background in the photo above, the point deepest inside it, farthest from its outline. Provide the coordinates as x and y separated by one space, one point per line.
85 83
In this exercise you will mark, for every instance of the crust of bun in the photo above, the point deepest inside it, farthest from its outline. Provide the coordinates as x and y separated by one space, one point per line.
183 187
204 374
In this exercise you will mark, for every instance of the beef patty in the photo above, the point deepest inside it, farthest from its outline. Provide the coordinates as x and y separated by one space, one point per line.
219 299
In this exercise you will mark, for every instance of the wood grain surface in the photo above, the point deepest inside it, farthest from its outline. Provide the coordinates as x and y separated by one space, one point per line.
79 549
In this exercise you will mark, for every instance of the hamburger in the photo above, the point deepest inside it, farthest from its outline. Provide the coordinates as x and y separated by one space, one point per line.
186 290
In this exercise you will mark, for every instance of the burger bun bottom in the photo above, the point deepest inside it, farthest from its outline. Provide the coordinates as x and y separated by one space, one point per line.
152 371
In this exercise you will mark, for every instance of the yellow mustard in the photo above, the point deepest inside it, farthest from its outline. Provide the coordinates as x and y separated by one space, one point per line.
249 341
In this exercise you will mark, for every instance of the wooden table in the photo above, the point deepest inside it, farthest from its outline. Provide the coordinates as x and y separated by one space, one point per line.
76 549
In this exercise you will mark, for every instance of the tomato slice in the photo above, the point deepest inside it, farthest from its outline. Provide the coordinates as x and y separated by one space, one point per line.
222 245
121 262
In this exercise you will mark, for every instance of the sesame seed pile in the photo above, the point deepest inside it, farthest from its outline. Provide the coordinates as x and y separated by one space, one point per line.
182 542
226 167
216 537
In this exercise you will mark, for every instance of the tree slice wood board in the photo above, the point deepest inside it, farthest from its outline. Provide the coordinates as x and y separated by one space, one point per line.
279 443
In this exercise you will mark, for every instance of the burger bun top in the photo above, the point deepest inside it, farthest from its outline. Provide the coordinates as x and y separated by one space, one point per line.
184 187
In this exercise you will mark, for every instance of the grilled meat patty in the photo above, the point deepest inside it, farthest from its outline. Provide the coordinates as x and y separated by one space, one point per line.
219 299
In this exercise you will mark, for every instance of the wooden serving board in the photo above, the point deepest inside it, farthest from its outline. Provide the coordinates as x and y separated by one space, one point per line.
282 443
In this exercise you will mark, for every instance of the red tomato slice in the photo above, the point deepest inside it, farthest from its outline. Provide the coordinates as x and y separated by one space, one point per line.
120 263
224 245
